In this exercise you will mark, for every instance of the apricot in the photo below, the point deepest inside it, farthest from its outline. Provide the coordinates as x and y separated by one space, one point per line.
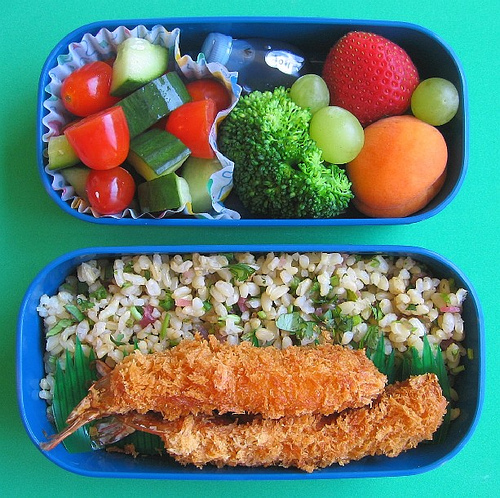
400 169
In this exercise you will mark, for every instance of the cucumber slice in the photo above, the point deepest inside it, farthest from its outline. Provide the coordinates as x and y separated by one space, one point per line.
197 173
61 154
165 192
77 176
156 152
137 62
153 101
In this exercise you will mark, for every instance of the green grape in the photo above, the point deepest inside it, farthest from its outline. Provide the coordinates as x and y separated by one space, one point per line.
338 134
435 101
310 91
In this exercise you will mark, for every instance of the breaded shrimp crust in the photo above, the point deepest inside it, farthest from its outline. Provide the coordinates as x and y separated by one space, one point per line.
403 416
199 377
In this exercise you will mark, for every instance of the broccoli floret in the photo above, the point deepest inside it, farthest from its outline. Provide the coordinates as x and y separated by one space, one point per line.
278 169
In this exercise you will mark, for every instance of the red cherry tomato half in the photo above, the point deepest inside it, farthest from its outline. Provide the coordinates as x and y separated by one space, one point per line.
101 140
191 123
208 88
86 90
110 191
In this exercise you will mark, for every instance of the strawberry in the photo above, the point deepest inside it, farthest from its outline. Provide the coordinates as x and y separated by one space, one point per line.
369 76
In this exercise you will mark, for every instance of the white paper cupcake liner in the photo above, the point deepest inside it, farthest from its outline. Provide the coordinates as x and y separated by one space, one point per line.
103 46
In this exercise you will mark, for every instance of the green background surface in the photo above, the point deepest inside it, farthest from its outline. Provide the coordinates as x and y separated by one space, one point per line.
34 230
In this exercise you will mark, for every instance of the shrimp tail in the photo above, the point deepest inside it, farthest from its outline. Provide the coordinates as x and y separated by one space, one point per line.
55 439
89 409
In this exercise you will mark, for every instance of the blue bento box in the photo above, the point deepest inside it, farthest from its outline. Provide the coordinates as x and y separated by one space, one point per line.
314 36
29 364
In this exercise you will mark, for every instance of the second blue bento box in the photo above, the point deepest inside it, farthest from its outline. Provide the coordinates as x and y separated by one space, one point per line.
30 369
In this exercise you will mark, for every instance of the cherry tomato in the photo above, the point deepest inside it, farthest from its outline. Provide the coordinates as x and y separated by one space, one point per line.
110 191
191 123
86 90
101 140
208 88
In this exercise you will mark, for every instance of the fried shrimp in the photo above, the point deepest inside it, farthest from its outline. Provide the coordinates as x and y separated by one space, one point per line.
200 377
405 414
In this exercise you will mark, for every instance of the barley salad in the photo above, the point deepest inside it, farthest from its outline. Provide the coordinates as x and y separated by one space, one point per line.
152 302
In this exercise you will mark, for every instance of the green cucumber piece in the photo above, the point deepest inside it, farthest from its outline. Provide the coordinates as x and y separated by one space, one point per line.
156 152
165 192
77 176
137 62
61 153
197 172
153 101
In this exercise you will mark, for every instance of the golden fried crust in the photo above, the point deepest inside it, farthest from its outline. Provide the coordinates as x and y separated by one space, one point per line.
403 416
198 377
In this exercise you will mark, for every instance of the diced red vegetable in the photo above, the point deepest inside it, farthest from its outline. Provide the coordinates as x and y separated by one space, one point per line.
450 309
242 304
147 316
183 302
